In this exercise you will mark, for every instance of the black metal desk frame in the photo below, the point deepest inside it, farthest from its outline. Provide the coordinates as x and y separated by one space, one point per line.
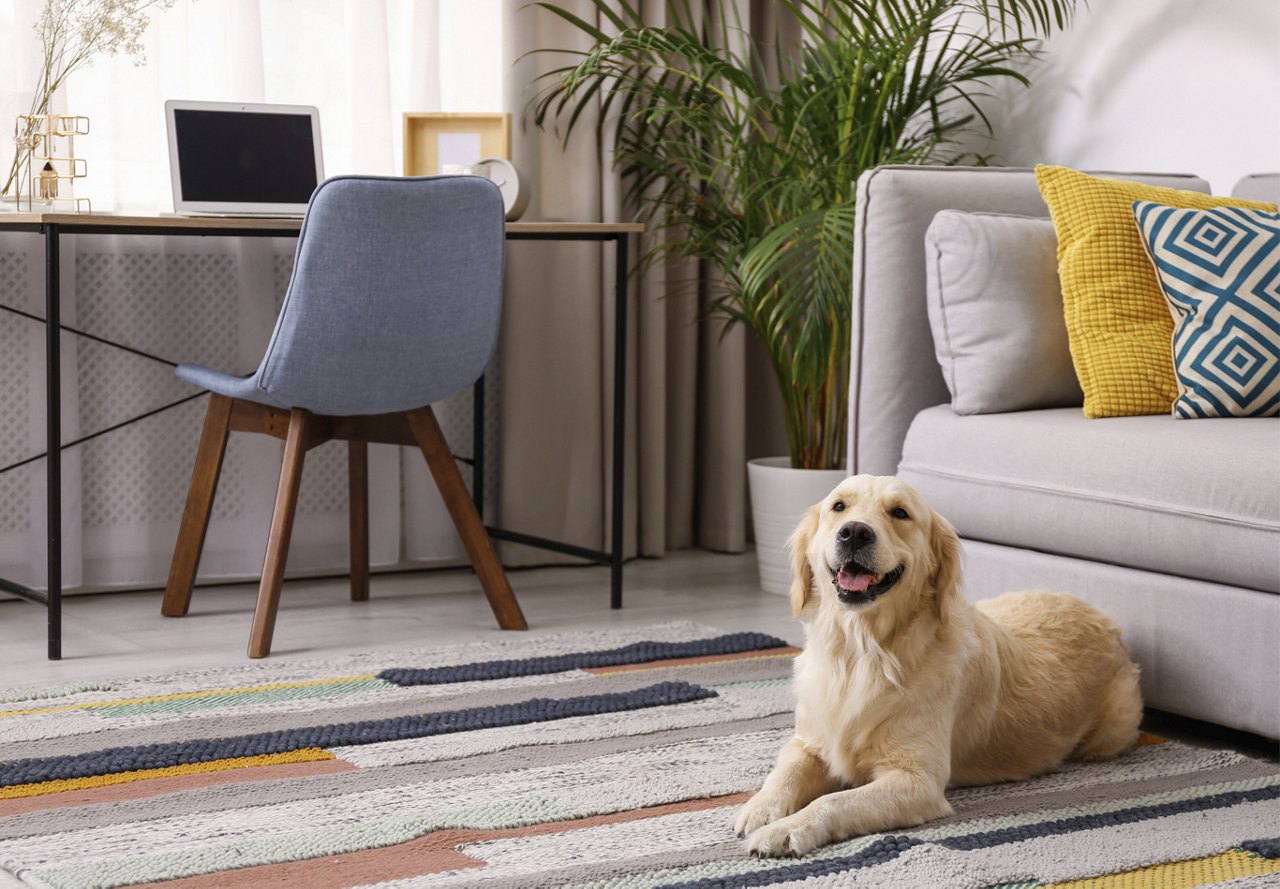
51 599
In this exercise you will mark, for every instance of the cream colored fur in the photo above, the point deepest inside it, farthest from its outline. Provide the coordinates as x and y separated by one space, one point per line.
919 690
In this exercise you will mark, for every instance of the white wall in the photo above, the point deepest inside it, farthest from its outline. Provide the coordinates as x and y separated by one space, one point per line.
1154 85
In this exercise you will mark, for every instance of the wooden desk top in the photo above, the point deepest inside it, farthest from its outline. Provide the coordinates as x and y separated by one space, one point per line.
103 222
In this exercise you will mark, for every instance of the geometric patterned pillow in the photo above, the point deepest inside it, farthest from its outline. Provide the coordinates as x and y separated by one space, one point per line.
1220 272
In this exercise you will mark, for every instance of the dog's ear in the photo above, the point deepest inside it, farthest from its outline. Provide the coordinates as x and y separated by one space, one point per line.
945 544
801 572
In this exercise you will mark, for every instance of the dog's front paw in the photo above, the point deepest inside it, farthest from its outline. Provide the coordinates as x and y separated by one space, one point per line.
758 811
792 836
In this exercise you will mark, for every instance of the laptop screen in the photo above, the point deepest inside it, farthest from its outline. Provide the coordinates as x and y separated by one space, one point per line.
233 158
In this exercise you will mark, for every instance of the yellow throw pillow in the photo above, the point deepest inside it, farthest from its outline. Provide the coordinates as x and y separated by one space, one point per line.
1118 324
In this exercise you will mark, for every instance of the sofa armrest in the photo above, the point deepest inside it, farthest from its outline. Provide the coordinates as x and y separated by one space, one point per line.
893 374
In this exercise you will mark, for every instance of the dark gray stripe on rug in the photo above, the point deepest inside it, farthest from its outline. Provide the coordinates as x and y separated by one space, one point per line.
882 851
234 796
636 653
1097 793
1266 848
189 729
114 760
599 872
1132 815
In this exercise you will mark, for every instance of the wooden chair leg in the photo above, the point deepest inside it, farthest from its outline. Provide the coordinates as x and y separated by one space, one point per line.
358 483
426 431
264 615
195 517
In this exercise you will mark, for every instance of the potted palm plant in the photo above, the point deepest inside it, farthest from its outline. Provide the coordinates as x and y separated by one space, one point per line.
748 163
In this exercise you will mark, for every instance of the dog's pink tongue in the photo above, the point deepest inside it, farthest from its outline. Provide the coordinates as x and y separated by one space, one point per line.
853 583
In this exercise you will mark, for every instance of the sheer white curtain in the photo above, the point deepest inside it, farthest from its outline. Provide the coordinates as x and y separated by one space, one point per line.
700 403
363 63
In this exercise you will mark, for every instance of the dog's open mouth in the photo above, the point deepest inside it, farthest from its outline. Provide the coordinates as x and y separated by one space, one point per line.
855 585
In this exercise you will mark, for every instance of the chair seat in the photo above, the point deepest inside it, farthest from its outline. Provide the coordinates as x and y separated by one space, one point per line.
245 388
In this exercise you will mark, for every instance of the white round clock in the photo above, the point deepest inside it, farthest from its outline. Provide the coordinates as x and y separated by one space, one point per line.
515 195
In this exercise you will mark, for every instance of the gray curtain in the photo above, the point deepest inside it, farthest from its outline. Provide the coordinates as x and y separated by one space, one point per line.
700 403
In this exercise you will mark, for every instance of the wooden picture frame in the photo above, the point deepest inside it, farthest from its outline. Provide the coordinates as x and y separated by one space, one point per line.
433 139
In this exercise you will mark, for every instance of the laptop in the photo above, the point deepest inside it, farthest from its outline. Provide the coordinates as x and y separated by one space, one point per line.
238 159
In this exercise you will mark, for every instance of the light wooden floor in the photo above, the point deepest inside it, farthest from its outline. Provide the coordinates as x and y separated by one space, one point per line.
112 635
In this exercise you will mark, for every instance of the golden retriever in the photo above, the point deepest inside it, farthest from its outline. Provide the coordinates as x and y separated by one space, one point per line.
904 688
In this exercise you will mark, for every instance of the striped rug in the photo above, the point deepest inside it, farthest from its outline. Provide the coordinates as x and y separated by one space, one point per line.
610 758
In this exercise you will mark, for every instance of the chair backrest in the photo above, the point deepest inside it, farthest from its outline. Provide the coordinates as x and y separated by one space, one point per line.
395 296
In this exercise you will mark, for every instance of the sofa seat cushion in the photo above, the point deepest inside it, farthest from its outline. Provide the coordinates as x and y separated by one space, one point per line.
1199 500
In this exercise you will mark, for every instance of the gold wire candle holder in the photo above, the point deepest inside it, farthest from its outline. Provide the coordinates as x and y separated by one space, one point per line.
48 166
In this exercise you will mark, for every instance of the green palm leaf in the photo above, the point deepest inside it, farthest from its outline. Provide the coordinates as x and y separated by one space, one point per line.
756 177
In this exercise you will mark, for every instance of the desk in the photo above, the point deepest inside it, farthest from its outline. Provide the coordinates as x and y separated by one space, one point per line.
53 225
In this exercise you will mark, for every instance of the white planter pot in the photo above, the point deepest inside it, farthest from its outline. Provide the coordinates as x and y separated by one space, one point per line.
779 497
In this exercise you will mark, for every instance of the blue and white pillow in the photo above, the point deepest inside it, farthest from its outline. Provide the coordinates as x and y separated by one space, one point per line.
1220 273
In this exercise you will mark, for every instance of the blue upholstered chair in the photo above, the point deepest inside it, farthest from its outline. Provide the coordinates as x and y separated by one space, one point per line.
393 305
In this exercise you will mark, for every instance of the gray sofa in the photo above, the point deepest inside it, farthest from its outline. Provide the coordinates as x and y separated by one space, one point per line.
1171 526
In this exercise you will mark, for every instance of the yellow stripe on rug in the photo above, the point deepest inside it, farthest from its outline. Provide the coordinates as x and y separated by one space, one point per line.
186 695
306 754
1231 865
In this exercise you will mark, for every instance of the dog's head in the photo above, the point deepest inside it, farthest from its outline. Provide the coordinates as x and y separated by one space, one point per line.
874 544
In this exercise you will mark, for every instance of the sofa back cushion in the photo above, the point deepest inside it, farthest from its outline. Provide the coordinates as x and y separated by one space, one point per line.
1258 187
995 308
893 372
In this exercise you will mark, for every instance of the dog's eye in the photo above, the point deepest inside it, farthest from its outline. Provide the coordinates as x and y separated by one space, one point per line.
838 506
899 513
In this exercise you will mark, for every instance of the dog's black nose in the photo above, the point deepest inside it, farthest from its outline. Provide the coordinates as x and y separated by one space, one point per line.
856 534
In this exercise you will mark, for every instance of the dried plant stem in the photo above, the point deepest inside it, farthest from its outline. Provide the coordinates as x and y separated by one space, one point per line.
72 32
